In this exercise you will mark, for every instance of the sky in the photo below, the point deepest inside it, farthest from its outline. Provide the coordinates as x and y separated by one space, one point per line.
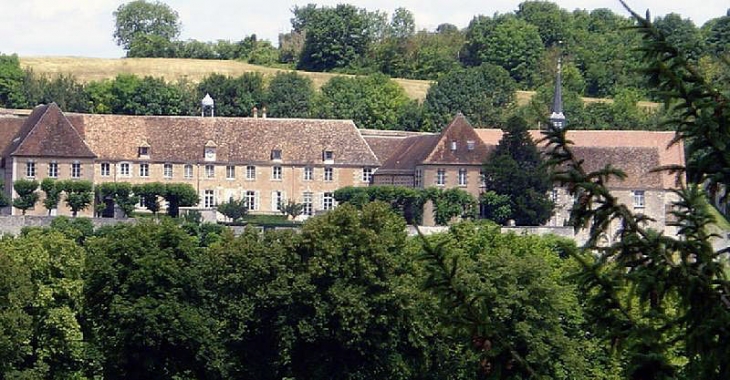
85 27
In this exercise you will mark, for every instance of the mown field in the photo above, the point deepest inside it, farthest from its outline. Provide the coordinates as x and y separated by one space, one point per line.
173 69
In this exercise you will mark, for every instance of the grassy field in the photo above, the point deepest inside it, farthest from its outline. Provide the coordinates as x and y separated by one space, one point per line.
173 69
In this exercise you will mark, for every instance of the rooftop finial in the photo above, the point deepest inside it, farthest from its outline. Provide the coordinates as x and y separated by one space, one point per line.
557 118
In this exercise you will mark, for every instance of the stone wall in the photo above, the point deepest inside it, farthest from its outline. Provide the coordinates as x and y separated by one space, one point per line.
13 224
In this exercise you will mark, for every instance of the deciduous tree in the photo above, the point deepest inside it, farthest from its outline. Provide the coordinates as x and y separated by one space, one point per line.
139 18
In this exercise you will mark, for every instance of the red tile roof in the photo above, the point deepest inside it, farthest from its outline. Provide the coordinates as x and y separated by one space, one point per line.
48 133
237 140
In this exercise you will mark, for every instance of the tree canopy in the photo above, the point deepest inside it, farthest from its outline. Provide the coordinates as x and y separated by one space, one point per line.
139 18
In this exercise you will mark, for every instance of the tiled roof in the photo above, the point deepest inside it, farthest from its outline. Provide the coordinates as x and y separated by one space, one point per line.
635 152
48 133
458 145
384 143
410 153
9 127
237 140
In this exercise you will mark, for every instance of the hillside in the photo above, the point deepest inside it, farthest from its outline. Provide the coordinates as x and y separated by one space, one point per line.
172 69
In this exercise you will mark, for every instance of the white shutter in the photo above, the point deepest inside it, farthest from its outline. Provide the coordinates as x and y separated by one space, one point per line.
258 201
273 201
321 200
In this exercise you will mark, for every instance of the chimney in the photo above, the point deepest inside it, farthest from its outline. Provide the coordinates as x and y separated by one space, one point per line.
263 113
255 112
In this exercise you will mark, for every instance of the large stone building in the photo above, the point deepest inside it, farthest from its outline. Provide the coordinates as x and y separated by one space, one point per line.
264 161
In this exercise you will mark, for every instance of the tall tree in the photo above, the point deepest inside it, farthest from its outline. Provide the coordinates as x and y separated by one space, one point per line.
140 18
480 93
515 169
11 80
27 194
373 101
334 37
290 95
661 302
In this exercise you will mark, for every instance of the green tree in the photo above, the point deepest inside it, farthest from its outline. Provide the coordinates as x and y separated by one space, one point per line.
373 101
234 96
515 169
150 194
509 295
717 35
291 208
683 34
140 18
334 37
179 195
120 193
495 207
11 79
16 297
553 23
659 301
233 209
290 95
480 93
79 194
144 291
27 194
4 202
54 265
516 46
52 194
450 204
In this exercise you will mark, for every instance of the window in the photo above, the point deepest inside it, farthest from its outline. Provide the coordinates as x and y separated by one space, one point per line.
470 144
419 178
188 171
328 175
53 170
367 175
250 172
76 170
555 195
482 179
276 172
251 200
143 151
308 173
105 169
167 170
462 177
144 170
209 171
441 177
307 203
210 152
328 156
125 169
209 199
230 172
277 200
276 154
30 169
328 201
639 198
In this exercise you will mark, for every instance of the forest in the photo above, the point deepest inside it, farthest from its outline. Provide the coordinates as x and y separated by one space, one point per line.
475 70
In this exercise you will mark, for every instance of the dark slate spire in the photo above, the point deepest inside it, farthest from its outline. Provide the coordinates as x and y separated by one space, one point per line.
557 118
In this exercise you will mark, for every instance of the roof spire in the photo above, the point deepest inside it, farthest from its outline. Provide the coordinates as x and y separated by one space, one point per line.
557 118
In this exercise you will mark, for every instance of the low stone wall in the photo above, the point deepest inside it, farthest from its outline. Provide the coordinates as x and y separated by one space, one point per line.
566 232
13 224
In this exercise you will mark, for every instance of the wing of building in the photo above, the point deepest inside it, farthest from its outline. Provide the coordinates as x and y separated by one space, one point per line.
262 160
454 158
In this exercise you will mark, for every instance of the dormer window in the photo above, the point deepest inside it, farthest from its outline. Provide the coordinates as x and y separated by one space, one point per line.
470 144
210 151
276 154
328 157
453 145
143 151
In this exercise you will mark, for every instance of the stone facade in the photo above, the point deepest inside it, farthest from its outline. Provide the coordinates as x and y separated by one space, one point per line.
263 161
